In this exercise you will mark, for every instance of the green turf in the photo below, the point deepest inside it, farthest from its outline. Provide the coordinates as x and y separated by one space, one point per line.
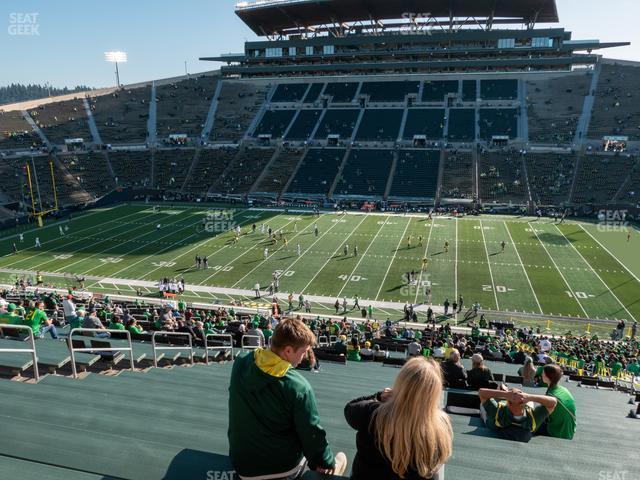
544 269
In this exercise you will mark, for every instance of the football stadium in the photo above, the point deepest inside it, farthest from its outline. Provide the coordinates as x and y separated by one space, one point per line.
378 243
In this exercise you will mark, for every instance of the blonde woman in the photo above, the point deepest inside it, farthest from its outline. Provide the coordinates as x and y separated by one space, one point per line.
402 432
528 373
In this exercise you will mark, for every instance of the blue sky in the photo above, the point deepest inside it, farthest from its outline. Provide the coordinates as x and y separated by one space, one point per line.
159 35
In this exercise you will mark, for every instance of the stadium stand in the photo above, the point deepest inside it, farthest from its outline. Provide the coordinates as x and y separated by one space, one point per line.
338 122
62 120
209 166
304 124
428 122
469 90
457 179
274 123
550 177
341 92
91 171
68 189
594 180
389 91
380 125
238 104
631 192
366 173
498 89
416 174
313 94
182 106
554 107
244 170
131 168
121 116
462 125
276 177
436 91
317 171
289 92
14 187
501 178
16 133
498 122
615 109
172 167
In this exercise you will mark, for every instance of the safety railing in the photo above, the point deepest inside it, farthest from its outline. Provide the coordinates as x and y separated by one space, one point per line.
73 350
227 344
254 338
32 350
175 347
323 341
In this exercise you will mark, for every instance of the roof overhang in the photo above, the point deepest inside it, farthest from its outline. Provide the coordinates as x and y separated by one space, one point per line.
269 17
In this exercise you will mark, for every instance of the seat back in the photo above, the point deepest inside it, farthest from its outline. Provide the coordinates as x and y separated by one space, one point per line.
513 379
462 399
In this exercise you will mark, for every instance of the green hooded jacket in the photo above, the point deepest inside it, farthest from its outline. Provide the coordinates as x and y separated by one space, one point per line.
273 418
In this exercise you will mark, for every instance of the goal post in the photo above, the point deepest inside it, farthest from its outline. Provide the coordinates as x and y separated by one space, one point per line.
38 209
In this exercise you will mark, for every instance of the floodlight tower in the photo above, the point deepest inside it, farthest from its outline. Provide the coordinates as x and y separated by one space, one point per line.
115 57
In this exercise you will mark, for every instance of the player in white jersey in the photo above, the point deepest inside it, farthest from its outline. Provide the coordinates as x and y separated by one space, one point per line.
38 245
60 230
298 249
266 253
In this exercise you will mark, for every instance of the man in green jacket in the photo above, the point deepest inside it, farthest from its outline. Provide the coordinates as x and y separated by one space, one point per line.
270 403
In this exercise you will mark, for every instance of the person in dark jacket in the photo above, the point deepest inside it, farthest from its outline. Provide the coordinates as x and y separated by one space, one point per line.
455 375
271 403
479 376
407 417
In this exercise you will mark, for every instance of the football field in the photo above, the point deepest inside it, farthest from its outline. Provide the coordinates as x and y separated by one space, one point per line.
545 269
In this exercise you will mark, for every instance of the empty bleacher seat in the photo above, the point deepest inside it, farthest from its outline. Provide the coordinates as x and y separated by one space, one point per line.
462 403
289 92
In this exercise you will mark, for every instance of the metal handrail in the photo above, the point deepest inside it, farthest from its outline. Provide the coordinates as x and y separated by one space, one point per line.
321 342
32 350
333 339
220 336
73 350
176 334
251 347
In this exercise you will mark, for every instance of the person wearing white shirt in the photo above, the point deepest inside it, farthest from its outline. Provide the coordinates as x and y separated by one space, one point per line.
69 309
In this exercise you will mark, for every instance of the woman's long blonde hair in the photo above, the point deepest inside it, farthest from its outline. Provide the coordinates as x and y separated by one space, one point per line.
410 429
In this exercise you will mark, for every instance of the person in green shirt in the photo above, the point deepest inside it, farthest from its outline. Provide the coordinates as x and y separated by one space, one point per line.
39 322
634 367
10 316
562 421
353 350
134 328
115 324
510 413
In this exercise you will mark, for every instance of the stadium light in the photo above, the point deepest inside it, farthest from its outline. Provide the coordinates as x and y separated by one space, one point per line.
115 57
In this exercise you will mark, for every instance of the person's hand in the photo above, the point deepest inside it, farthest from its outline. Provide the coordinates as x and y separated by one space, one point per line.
386 394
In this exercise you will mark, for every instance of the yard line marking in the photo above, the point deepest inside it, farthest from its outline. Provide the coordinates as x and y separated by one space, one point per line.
62 222
558 269
607 250
495 294
524 269
363 255
272 254
308 249
43 252
202 243
455 272
134 239
245 252
364 217
392 259
426 252
596 274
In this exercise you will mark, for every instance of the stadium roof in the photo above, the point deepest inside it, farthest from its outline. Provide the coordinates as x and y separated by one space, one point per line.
267 17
